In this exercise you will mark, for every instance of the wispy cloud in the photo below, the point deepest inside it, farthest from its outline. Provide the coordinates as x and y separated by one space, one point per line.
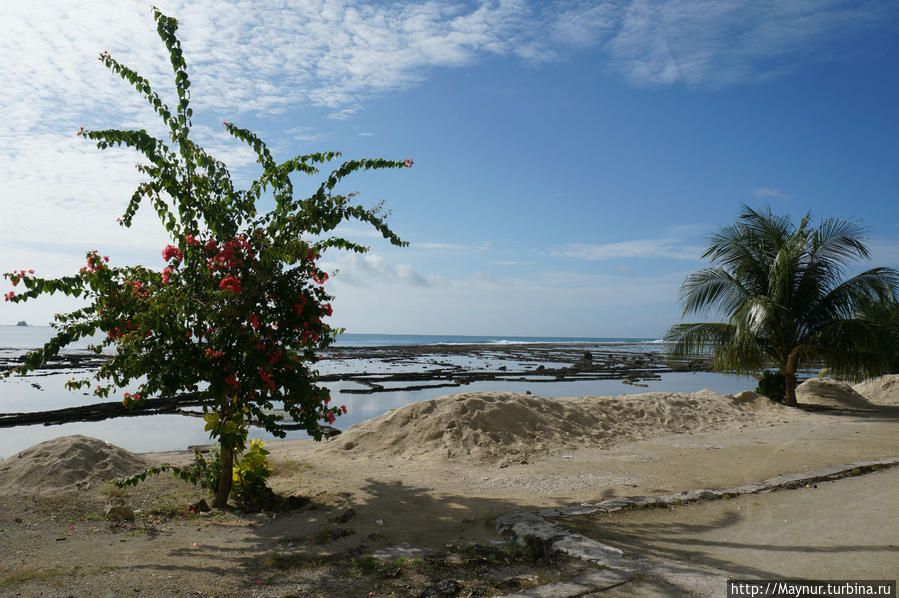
642 248
770 192
884 252
717 44
262 58
258 56
452 246
373 270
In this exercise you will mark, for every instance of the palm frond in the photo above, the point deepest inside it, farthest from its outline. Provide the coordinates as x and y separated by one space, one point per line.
844 301
840 241
686 340
712 287
856 348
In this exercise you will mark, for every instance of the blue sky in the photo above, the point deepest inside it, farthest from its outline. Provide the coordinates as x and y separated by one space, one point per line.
571 157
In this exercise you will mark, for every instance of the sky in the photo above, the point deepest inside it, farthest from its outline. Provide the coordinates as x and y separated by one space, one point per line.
571 158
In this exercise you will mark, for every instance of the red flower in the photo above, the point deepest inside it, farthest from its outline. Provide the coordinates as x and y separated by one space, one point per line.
170 252
343 408
190 240
8 296
327 309
254 320
408 162
231 283
267 377
319 280
166 273
232 382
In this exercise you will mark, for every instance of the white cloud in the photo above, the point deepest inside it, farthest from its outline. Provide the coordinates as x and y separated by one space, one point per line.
372 269
770 192
542 303
257 56
884 252
717 44
452 246
643 248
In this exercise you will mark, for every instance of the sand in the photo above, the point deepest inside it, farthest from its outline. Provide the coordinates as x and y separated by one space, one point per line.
66 464
882 391
824 392
433 474
499 427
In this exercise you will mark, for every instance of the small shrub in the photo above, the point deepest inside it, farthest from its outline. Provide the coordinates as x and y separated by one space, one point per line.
207 470
248 489
773 385
250 475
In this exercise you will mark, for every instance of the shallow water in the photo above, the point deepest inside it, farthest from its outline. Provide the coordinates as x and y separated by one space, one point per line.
176 432
44 390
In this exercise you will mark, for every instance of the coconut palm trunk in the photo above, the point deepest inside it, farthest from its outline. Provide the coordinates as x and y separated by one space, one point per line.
790 390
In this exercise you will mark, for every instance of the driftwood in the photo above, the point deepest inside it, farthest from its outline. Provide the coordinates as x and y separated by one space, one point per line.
101 411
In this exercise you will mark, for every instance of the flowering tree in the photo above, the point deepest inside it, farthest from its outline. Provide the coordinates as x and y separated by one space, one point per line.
236 315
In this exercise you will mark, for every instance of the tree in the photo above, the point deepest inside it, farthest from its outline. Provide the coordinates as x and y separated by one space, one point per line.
235 317
782 292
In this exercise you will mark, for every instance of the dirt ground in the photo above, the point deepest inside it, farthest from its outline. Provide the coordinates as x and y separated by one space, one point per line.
358 504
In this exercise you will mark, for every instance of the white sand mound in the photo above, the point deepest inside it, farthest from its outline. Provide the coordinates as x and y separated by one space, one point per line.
756 402
883 390
66 464
498 426
830 393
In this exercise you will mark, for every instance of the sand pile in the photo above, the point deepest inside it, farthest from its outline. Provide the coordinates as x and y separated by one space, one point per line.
883 390
66 464
496 426
830 393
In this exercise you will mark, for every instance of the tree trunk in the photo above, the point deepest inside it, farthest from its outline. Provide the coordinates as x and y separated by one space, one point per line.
790 389
221 496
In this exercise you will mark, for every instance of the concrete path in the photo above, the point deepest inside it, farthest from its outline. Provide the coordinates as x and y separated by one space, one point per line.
823 529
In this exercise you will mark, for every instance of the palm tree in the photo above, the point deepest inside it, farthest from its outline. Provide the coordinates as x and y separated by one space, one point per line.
781 290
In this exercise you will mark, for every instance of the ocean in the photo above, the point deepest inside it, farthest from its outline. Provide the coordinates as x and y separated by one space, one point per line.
44 390
29 337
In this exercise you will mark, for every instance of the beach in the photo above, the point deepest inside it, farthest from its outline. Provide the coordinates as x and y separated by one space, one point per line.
441 490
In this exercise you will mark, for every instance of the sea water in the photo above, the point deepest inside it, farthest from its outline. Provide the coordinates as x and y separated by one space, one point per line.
45 391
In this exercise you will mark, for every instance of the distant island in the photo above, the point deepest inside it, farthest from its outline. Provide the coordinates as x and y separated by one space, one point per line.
22 323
